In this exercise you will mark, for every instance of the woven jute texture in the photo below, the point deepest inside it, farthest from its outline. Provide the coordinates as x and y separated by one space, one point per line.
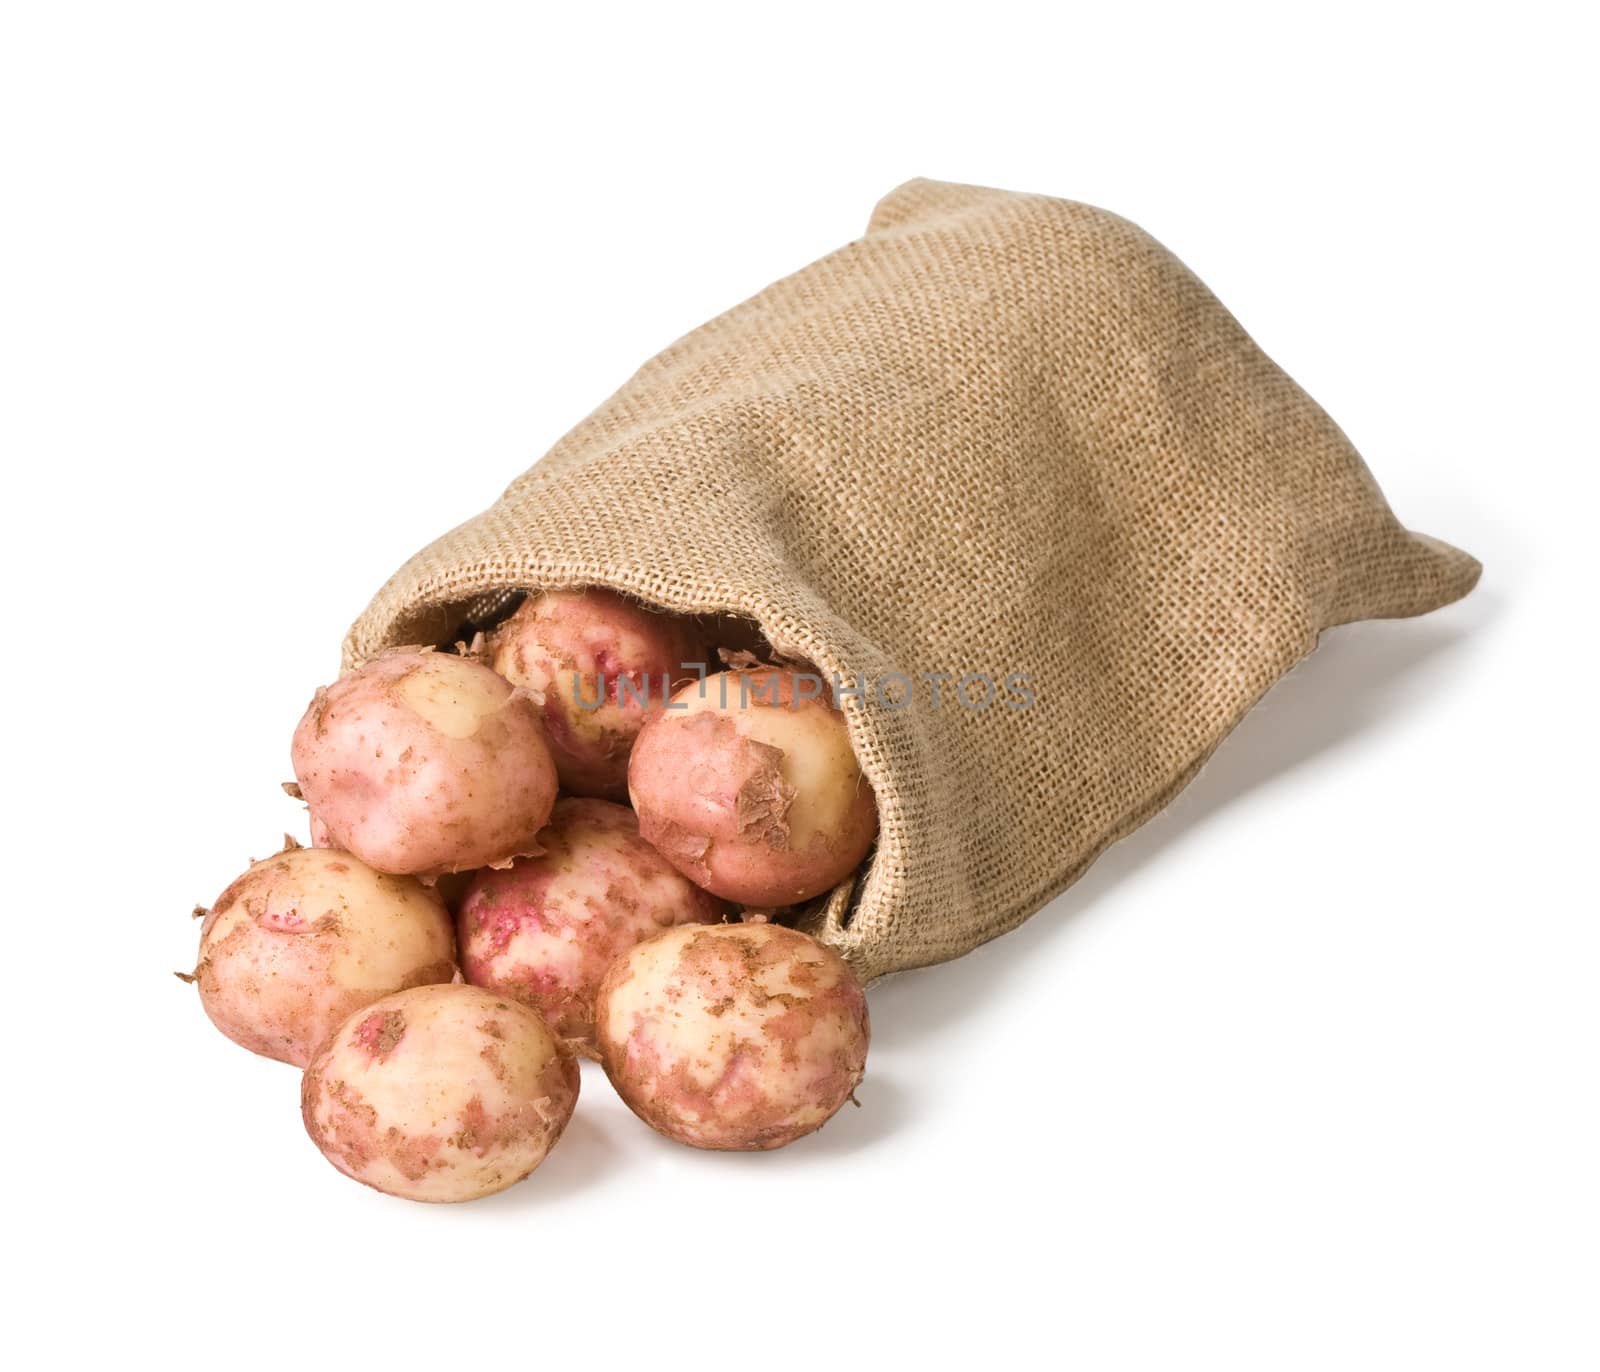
998 434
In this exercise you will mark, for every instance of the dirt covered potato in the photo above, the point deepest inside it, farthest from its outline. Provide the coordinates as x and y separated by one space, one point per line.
603 664
442 1093
425 763
732 1036
752 790
304 939
545 929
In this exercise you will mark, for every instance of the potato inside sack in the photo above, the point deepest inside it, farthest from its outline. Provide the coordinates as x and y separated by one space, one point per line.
443 1093
602 664
749 786
545 929
733 1036
425 763
305 938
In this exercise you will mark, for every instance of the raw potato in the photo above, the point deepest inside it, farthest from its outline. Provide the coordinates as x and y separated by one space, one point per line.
306 938
752 790
729 1036
562 644
544 930
320 838
425 763
448 886
443 1093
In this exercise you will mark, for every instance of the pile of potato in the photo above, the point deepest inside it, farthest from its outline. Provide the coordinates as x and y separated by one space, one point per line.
479 905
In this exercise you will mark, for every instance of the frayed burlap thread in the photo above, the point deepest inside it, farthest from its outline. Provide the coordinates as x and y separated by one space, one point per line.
999 433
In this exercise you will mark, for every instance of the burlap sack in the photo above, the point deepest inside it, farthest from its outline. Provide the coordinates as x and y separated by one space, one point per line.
998 434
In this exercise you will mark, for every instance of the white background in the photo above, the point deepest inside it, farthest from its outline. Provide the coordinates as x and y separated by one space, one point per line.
1303 1075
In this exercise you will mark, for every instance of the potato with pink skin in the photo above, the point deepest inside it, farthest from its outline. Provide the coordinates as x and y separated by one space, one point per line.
448 886
442 1093
545 929
732 1036
320 837
306 938
575 649
425 763
748 785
